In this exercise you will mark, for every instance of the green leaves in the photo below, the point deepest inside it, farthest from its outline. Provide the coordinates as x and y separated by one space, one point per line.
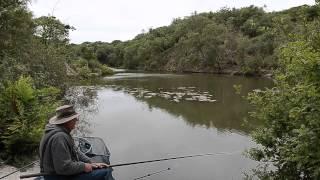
23 89
24 111
16 26
291 115
33 65
51 30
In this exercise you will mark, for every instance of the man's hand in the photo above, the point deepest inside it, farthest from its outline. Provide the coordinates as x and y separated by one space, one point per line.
88 167
99 165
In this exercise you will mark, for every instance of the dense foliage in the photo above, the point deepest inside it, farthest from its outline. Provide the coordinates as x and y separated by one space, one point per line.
228 41
290 137
86 64
35 66
24 112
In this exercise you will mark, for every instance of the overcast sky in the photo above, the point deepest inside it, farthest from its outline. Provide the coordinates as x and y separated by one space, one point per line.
108 20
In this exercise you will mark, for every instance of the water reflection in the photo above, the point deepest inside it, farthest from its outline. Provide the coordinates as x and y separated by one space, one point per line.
138 120
212 101
134 132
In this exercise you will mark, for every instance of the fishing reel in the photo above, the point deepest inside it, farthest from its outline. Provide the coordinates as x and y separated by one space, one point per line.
83 145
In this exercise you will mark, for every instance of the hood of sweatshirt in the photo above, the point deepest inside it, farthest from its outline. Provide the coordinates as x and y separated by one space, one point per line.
50 127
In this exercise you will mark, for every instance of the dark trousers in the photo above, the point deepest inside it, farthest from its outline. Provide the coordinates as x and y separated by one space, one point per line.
97 174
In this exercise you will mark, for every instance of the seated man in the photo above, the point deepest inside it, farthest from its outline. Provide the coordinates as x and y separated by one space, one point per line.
58 155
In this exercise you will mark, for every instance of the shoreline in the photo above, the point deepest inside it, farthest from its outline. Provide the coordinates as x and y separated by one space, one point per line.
231 72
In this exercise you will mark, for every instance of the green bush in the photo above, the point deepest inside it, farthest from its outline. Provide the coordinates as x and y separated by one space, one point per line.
79 63
93 64
105 70
250 66
91 68
290 137
24 111
84 71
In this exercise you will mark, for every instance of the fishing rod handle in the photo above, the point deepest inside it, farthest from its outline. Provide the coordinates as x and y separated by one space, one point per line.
33 175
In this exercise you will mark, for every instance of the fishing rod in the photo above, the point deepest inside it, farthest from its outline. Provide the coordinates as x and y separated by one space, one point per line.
158 172
164 159
128 164
19 169
140 162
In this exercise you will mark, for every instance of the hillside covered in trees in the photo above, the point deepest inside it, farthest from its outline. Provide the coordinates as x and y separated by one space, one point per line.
243 41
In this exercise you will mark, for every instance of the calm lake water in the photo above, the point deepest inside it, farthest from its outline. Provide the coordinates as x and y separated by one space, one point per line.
150 116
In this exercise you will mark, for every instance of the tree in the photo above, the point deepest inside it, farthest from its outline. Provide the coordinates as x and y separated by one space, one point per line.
290 137
16 26
30 65
51 30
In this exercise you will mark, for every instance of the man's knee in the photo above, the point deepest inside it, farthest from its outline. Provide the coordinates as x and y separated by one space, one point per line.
105 174
97 174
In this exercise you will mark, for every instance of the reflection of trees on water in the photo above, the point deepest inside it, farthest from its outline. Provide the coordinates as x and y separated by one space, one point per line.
227 113
216 115
84 100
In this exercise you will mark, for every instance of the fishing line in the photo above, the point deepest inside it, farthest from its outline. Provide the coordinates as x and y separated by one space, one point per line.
19 169
158 172
179 157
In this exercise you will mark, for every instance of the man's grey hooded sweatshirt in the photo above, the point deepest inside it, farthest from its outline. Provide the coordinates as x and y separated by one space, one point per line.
58 154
